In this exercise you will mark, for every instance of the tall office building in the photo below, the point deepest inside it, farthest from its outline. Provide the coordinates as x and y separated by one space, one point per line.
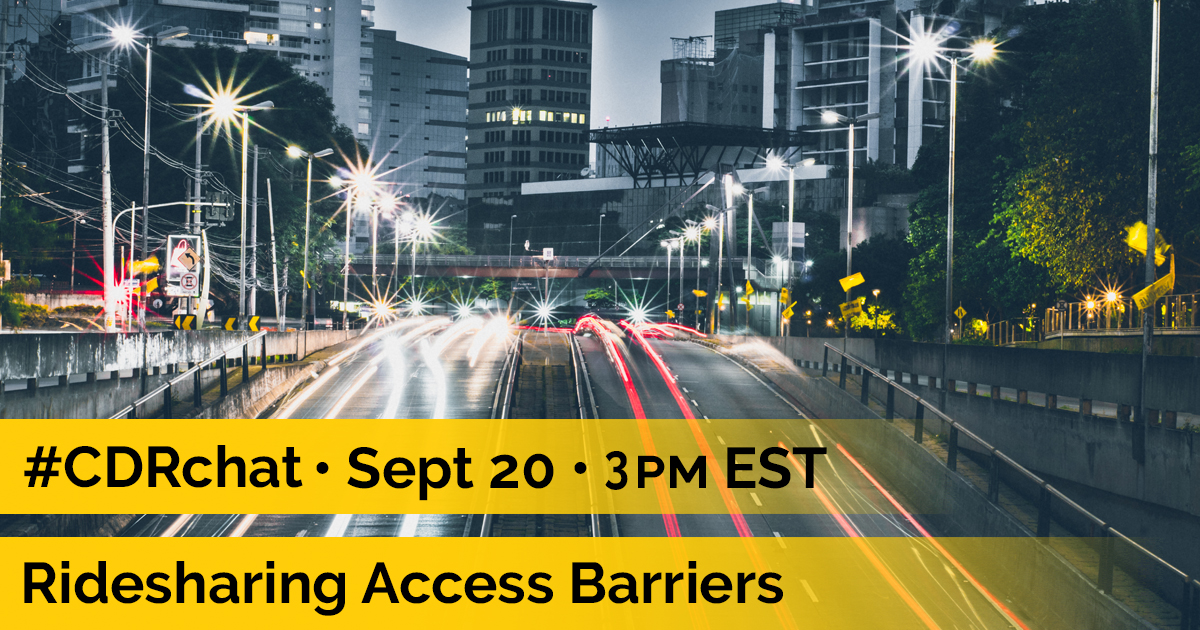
330 45
419 118
530 94
832 57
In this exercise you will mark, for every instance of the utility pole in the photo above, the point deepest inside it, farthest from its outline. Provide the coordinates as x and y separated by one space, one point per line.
254 239
145 197
1149 314
3 84
110 291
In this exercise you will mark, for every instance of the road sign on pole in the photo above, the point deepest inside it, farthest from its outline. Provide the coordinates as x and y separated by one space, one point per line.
183 266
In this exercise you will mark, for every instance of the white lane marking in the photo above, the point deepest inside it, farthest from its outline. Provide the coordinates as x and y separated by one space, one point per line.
808 589
707 420
816 435
176 526
685 390
337 528
756 501
779 539
721 440
695 403
408 528
240 530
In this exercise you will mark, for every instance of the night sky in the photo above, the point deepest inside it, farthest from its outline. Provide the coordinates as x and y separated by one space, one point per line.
631 37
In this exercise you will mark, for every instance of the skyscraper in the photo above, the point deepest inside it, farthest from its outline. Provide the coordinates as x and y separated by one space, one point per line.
419 118
530 94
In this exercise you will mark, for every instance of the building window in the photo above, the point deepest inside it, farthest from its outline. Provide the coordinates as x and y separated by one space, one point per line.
523 23
364 112
497 25
364 129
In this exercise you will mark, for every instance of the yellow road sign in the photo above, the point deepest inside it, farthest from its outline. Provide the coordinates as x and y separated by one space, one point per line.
749 289
230 323
851 308
699 293
784 296
787 312
670 314
849 282
960 312
254 323
185 322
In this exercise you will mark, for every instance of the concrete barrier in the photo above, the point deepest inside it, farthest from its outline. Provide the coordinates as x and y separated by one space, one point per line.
1088 376
30 358
48 355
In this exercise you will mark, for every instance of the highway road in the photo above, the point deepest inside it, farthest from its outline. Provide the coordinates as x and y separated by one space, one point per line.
431 368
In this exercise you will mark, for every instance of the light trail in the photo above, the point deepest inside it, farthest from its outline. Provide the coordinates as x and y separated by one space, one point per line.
362 380
933 541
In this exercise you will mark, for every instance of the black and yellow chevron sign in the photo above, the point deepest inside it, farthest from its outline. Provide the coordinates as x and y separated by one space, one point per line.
185 322
231 323
254 323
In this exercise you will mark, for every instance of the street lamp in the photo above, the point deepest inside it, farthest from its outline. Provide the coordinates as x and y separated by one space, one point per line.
831 117
600 236
927 48
295 152
124 35
510 232
777 163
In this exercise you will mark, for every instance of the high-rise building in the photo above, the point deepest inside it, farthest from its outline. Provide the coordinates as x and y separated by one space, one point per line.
530 94
419 118
330 45
831 57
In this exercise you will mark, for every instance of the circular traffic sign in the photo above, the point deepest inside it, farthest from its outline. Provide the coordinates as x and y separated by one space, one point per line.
189 282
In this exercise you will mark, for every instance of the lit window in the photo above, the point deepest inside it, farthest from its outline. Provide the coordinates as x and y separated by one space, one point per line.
317 25
542 115
364 129
575 119
583 119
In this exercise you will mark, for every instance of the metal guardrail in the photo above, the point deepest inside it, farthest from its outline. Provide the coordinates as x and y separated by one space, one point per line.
502 403
1122 316
1014 331
1151 570
219 361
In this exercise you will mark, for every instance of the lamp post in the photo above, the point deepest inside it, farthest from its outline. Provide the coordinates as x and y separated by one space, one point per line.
776 162
1148 314
510 233
927 48
244 112
832 117
124 35
296 152
600 235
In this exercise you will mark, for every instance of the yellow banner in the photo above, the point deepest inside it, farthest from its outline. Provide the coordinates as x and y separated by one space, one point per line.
846 583
300 466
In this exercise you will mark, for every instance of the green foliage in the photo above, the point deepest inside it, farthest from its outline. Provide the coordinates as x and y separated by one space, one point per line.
495 289
22 284
25 237
599 298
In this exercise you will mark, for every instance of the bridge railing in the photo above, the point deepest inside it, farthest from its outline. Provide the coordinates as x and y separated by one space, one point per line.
1056 514
219 361
1121 316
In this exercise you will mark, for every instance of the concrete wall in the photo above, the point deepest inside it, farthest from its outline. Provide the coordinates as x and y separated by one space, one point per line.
59 300
1094 376
1167 344
95 399
61 355
49 355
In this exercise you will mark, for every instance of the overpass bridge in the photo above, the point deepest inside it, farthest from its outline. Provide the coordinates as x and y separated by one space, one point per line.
564 267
